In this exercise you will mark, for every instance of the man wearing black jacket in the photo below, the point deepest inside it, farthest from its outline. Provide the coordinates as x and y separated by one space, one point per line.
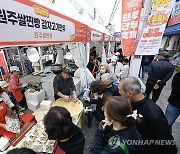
173 108
153 125
159 73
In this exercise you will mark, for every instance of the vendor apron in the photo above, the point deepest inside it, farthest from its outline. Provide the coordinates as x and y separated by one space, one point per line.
17 95
3 113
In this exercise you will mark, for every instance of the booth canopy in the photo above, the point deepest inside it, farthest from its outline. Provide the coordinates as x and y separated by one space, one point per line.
33 22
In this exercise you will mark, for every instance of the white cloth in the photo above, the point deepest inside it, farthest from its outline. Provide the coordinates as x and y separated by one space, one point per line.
6 100
80 54
126 71
117 70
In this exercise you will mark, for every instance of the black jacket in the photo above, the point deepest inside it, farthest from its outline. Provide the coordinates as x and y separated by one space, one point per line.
75 145
174 98
160 70
153 126
104 138
64 86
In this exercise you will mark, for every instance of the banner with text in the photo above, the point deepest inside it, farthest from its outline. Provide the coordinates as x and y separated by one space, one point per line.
130 21
151 38
27 22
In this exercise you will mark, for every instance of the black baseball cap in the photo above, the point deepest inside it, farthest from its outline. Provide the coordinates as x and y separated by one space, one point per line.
68 71
164 54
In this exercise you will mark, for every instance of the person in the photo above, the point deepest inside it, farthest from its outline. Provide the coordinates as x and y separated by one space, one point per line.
103 68
98 90
14 89
59 126
116 67
5 106
145 63
93 50
153 126
125 68
110 83
5 98
118 128
64 86
93 64
159 73
173 108
21 151
106 50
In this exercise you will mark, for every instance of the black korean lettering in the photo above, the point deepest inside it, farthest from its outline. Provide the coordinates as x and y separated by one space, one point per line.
54 27
3 18
12 17
37 22
30 21
49 25
59 27
44 24
21 19
64 28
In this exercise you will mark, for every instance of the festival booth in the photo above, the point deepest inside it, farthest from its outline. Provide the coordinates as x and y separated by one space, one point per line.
32 29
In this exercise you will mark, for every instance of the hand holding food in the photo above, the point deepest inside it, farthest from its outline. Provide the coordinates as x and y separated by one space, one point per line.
66 98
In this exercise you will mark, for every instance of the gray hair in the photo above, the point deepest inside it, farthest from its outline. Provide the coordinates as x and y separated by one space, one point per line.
108 77
131 84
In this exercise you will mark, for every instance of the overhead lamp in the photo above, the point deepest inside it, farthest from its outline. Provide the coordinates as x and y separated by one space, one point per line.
33 54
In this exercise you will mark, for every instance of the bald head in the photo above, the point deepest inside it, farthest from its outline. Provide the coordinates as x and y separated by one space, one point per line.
130 84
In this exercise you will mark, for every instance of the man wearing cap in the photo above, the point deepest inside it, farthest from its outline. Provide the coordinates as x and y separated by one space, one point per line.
64 86
160 72
15 88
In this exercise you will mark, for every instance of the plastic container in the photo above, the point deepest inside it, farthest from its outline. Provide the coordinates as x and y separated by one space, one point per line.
33 106
37 97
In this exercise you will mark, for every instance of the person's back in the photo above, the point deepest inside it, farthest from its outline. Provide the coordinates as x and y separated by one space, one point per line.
159 70
154 126
173 107
75 144
112 91
59 126
159 73
175 93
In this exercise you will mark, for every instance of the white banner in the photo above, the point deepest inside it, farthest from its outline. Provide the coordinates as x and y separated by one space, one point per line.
150 40
95 36
27 23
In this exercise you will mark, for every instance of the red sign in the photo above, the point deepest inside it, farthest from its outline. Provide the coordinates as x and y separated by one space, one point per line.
129 28
3 64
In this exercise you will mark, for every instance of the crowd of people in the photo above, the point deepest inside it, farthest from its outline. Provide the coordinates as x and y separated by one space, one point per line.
128 121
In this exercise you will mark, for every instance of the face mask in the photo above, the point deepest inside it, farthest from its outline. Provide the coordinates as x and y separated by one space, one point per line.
96 97
113 63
